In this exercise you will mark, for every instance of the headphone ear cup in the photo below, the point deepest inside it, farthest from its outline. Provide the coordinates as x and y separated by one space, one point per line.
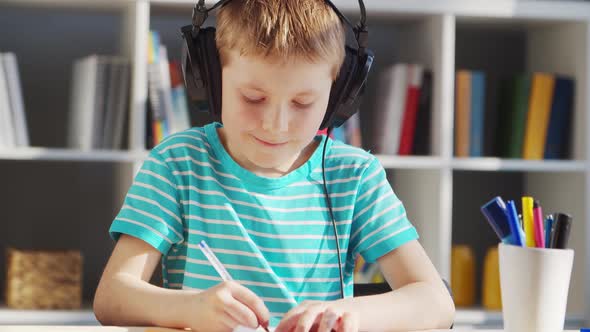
191 73
339 89
210 68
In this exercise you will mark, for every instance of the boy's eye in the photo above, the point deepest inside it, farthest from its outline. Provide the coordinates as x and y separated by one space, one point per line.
302 105
253 100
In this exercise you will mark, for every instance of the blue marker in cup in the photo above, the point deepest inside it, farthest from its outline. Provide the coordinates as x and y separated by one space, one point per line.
515 229
497 216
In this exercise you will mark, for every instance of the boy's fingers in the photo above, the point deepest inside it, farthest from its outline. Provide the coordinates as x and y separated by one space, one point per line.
308 318
230 322
288 321
252 301
328 321
241 313
347 323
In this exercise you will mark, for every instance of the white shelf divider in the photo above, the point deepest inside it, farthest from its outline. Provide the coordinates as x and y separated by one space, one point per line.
84 316
412 162
137 29
57 154
498 164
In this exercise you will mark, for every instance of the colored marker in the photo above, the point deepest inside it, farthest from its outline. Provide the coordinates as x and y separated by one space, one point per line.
515 229
538 225
561 230
497 216
548 228
527 220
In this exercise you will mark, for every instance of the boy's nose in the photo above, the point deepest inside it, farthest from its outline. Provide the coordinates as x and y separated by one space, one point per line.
276 120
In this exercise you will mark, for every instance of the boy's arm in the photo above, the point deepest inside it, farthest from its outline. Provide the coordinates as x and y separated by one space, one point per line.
124 295
419 301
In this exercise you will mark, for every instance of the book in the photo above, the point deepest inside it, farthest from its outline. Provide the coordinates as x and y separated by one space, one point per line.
411 109
538 115
13 83
462 112
7 131
392 96
559 133
422 135
181 118
157 124
513 117
122 107
353 131
476 130
109 119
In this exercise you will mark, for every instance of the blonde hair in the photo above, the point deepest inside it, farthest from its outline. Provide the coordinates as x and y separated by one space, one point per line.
281 29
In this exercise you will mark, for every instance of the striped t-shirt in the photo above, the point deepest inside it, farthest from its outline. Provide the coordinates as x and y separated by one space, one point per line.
274 235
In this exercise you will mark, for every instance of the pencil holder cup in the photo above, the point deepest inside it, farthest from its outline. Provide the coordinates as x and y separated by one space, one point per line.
534 284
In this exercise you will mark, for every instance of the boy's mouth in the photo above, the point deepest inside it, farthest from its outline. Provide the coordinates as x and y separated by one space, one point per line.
270 144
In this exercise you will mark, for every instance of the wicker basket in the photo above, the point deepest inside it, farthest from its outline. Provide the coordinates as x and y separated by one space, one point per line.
44 279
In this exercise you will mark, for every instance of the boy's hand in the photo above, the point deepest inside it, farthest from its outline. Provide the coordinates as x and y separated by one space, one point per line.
318 316
225 306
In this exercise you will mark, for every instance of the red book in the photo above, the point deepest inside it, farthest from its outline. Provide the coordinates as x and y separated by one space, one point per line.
406 142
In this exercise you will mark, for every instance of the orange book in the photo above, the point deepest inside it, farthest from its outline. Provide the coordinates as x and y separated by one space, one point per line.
463 275
462 112
538 115
491 297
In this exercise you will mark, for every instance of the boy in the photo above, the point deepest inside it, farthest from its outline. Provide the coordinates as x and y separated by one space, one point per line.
252 188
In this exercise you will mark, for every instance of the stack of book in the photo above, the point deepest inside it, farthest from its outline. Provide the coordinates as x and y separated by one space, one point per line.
13 123
533 117
167 106
99 103
535 121
404 110
469 113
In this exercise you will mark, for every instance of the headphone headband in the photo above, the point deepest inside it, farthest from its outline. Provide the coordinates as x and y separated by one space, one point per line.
200 14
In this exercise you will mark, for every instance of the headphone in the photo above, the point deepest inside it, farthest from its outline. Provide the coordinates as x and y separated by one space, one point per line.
201 67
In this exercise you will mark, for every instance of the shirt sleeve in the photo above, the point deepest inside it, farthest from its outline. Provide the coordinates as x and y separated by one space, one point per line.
151 210
379 223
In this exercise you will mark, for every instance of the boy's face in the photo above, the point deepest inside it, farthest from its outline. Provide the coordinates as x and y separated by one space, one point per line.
271 111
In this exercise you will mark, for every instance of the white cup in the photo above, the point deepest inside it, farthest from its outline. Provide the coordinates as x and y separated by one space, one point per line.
534 284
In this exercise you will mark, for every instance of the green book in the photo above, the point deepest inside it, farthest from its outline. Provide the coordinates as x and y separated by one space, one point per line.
514 103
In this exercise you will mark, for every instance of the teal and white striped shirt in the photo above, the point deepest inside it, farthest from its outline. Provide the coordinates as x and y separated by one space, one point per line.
274 235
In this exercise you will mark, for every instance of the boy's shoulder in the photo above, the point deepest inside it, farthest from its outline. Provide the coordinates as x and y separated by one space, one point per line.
187 142
341 152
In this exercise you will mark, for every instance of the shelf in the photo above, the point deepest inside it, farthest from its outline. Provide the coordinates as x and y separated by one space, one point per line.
412 162
78 4
56 154
479 317
562 10
498 164
47 317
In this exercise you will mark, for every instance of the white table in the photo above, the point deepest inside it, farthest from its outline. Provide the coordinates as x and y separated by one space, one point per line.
8 328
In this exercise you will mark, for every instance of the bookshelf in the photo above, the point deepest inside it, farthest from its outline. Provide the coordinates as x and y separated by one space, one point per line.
442 193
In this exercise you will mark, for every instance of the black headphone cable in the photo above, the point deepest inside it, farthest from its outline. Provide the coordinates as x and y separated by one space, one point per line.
329 202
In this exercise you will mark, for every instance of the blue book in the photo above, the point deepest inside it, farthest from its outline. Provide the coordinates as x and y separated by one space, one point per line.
476 135
557 145
339 134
